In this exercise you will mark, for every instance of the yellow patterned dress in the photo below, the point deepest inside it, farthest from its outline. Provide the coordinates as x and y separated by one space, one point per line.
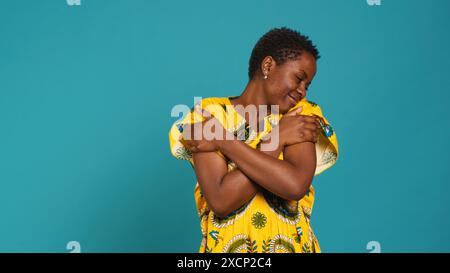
267 223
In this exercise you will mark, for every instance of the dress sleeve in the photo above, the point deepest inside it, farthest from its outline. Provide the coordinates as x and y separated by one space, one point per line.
327 145
177 148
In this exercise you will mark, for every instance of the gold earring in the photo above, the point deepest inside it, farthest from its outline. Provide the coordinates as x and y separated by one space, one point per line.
265 75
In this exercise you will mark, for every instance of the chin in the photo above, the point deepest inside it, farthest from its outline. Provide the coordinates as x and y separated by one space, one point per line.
285 106
284 109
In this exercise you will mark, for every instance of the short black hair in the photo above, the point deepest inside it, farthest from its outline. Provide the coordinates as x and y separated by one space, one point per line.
282 44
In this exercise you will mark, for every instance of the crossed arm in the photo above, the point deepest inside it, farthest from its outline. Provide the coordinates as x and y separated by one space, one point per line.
226 191
289 178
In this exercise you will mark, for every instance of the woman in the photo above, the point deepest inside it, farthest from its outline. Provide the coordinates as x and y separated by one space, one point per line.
250 198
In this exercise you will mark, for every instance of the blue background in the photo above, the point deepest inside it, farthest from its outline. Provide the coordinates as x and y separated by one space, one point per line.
85 99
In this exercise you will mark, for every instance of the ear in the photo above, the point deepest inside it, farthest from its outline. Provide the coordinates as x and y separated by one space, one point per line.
267 64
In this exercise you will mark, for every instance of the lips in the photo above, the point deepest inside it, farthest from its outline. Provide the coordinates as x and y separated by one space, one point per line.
296 98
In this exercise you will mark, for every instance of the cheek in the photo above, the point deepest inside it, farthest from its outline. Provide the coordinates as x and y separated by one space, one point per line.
282 85
291 85
281 98
286 82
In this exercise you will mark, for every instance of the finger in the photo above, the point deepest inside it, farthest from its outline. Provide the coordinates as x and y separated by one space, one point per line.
294 112
319 126
302 120
310 126
319 119
308 118
191 145
311 136
187 143
319 131
314 121
193 149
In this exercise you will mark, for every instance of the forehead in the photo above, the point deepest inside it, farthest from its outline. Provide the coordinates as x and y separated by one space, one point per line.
305 62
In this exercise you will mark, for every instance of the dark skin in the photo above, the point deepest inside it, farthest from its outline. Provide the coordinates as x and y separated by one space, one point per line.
285 85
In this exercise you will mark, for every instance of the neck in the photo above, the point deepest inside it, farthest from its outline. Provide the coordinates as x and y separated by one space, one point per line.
253 95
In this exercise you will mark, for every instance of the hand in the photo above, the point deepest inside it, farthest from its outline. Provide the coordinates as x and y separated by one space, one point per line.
296 128
199 146
205 136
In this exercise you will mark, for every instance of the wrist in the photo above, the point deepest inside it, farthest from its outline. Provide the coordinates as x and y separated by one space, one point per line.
281 138
224 144
273 138
218 144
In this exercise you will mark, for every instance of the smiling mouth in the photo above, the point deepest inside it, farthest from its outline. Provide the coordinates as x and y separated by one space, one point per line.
294 99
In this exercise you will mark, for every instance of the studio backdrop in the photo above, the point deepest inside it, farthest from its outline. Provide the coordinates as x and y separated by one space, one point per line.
86 93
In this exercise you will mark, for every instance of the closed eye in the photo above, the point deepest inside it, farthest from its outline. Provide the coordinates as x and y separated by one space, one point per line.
300 79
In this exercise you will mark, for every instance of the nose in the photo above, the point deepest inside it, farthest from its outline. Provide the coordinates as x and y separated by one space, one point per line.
302 89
